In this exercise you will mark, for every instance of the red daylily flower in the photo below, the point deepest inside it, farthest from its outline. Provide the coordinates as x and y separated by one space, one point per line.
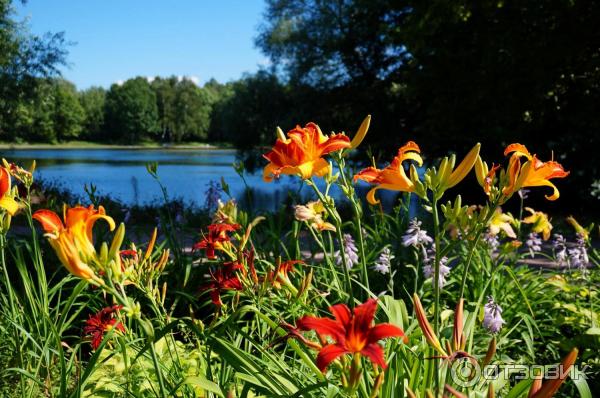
352 332
100 323
216 238
224 278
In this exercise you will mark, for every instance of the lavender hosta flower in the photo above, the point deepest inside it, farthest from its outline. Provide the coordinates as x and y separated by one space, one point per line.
491 241
350 252
559 247
492 316
383 264
429 268
415 236
523 193
212 195
533 243
578 256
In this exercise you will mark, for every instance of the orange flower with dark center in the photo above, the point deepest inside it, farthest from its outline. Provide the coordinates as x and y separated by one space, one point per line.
393 177
532 173
352 332
301 153
102 322
216 239
224 278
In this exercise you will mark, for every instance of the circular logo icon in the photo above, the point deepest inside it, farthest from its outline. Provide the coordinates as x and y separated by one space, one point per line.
465 372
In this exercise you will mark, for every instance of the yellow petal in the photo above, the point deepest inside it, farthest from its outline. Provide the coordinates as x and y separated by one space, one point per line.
9 204
464 167
361 133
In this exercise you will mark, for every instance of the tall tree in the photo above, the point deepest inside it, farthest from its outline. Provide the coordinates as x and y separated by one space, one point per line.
92 101
131 114
68 114
23 59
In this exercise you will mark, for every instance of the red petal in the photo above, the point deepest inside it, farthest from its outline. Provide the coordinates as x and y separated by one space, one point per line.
342 314
364 314
375 353
383 331
323 326
328 354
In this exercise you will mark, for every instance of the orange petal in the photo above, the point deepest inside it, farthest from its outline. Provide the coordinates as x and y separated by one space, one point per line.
50 221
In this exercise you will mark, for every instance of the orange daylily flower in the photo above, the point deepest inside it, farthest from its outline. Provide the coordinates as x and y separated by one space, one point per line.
532 173
393 177
73 240
301 153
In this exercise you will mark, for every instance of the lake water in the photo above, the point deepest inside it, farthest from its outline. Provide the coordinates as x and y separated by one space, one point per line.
121 173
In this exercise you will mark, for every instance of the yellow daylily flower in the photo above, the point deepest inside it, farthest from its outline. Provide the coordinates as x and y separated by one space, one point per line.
502 222
7 201
73 240
540 222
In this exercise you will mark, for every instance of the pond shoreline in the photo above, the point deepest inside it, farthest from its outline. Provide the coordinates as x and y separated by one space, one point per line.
94 145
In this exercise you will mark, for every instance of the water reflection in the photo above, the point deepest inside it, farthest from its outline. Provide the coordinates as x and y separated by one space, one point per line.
121 174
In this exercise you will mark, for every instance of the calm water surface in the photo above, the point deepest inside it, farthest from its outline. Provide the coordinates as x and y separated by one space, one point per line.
121 173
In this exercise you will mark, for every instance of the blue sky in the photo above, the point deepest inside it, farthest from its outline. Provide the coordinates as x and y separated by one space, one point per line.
119 39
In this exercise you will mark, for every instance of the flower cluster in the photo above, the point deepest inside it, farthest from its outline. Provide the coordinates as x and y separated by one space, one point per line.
350 252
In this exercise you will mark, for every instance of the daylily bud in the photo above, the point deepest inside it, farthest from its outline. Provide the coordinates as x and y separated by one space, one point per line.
410 393
151 244
550 387
361 133
464 167
280 134
490 352
454 392
491 393
117 242
458 326
426 326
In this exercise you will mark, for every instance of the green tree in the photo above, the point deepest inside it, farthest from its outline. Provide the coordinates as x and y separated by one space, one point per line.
164 89
92 101
192 112
68 114
131 114
24 58
248 116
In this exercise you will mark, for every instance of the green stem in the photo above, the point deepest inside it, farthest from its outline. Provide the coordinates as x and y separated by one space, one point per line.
350 194
12 308
161 383
478 233
436 285
338 227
